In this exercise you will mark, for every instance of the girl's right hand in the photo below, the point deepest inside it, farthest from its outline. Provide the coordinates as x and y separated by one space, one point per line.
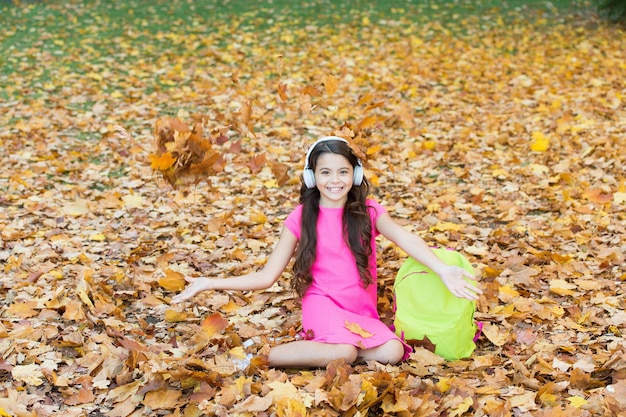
197 286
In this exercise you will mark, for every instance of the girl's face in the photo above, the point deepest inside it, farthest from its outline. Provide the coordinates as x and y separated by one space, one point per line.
333 178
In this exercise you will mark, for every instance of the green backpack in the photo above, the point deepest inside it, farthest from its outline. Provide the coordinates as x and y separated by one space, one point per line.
426 312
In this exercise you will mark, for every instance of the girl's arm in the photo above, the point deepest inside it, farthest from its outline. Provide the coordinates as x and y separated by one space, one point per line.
454 277
262 279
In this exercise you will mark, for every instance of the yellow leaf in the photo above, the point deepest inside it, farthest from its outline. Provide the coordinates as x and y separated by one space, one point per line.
540 142
257 217
230 307
373 149
271 184
173 316
577 401
548 399
330 84
429 144
442 227
3 413
368 121
508 290
356 329
162 162
98 237
290 407
443 385
172 281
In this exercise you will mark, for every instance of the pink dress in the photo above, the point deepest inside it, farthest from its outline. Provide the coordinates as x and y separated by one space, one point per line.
336 308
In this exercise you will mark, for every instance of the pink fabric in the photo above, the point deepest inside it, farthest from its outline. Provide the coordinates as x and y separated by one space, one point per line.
336 298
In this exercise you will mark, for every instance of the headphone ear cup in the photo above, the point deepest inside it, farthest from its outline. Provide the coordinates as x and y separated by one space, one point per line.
309 178
357 177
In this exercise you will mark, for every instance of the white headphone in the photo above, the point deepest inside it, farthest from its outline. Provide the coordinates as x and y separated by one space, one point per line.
308 175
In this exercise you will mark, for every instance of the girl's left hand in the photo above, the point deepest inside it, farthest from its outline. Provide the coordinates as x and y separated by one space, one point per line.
460 283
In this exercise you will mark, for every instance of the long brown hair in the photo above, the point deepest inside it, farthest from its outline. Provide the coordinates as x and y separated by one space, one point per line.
356 221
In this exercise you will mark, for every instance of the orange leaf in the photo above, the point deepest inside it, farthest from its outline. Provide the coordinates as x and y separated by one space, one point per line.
311 91
368 121
281 172
162 162
83 396
173 316
374 105
365 99
330 84
282 91
172 281
213 324
597 196
356 329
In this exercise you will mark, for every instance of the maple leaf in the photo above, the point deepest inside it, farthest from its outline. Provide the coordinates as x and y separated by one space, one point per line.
356 329
257 162
281 172
162 162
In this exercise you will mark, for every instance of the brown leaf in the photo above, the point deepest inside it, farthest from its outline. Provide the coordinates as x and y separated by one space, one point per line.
83 396
257 162
282 91
356 329
162 399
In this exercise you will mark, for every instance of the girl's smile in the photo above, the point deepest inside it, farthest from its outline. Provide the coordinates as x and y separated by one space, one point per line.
334 179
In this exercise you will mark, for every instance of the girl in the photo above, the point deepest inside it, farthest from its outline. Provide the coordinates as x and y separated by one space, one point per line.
332 233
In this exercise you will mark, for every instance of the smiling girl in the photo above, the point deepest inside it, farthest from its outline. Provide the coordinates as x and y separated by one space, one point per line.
332 234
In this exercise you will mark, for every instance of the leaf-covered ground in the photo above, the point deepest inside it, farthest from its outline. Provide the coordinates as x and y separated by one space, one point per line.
503 137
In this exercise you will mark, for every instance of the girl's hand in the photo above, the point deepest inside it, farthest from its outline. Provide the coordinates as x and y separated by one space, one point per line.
197 286
454 277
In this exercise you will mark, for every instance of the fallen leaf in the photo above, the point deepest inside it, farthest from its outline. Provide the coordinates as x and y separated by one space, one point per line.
356 329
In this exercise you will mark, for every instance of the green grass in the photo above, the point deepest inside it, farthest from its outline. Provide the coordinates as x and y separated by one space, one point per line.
47 41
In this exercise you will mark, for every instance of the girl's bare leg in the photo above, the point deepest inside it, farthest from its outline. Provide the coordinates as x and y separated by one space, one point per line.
390 352
310 354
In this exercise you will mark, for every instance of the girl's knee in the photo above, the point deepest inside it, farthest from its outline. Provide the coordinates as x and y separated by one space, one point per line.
393 352
348 353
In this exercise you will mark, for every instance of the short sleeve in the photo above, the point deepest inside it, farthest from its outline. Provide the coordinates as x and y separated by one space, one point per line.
375 210
293 221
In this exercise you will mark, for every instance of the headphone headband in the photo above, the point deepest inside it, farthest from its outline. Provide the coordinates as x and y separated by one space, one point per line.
308 174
